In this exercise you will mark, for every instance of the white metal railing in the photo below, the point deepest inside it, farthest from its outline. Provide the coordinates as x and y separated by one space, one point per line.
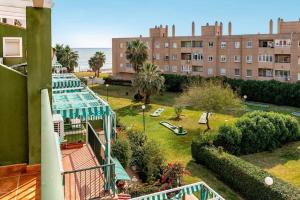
51 162
205 191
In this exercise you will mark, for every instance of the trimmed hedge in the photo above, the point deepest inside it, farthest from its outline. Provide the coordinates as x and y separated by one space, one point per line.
113 81
274 92
242 176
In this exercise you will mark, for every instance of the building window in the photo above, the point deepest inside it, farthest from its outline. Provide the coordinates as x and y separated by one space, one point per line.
299 44
174 45
197 68
166 68
166 58
282 74
128 65
197 56
249 44
166 44
282 42
265 72
185 68
157 56
299 60
197 44
121 55
223 45
282 58
237 45
222 58
249 73
186 44
174 68
121 65
210 44
174 57
12 47
265 58
237 58
157 45
210 58
298 76
121 45
210 71
222 71
237 72
249 59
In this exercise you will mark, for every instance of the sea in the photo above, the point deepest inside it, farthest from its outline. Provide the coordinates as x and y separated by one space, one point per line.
86 53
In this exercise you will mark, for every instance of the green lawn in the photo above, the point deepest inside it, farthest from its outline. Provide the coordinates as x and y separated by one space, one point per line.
282 163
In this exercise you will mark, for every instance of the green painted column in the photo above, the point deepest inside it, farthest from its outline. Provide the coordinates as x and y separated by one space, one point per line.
38 21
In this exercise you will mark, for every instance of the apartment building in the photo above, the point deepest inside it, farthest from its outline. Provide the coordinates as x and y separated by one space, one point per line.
252 56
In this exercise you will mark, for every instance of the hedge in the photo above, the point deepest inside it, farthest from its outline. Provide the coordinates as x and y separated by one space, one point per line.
114 81
242 176
274 92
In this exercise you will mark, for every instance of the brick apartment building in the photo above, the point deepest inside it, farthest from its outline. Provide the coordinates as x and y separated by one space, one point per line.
254 56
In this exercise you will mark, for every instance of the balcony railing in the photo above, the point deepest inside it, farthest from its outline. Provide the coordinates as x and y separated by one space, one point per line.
51 165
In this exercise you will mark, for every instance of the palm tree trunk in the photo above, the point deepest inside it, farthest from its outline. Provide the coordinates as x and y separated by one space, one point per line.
147 99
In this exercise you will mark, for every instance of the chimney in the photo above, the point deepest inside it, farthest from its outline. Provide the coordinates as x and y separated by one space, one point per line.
207 24
166 30
229 28
221 28
278 25
193 28
271 26
173 30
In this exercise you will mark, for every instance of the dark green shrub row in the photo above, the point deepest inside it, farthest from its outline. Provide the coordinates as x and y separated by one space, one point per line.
242 176
122 151
113 81
258 131
274 92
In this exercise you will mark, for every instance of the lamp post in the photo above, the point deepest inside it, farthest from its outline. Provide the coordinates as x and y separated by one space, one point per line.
269 181
107 92
245 97
143 108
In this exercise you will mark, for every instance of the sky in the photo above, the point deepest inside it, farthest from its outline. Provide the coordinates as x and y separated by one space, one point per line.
93 23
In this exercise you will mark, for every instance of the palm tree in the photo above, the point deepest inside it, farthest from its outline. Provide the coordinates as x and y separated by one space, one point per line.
136 54
96 62
149 81
67 57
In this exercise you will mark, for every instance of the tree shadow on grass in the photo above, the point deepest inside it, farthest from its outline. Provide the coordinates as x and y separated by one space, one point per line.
132 110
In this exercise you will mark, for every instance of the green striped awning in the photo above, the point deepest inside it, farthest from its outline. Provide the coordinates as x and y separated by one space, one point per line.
65 83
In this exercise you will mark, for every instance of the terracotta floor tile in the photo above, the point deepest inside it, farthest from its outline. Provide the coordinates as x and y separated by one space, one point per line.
8 184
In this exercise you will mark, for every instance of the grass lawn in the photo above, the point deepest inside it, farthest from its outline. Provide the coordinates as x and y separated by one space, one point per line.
283 163
87 74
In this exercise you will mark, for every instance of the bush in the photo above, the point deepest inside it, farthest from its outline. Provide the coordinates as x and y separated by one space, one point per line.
258 131
243 176
121 150
114 81
142 189
230 138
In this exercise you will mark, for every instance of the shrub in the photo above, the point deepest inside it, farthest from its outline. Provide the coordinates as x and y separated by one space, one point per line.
243 176
142 189
230 138
115 81
136 138
178 111
121 150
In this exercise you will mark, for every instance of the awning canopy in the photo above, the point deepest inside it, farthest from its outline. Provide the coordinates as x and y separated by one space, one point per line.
65 81
121 174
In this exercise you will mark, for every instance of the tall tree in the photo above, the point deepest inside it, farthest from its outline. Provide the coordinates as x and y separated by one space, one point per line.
137 54
211 96
149 81
67 57
96 62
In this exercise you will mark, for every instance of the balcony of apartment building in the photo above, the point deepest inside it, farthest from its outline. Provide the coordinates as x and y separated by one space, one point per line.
186 58
265 74
282 46
282 75
187 46
266 46
197 69
126 68
282 61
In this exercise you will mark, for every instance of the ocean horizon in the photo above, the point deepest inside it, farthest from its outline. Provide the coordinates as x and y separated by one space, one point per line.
86 53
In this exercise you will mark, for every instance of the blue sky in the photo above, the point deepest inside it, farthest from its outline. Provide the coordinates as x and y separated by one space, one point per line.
92 23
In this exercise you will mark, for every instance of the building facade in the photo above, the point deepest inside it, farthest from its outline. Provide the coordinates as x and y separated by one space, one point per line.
254 56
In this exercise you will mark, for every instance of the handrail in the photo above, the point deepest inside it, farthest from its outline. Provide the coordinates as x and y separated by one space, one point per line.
51 166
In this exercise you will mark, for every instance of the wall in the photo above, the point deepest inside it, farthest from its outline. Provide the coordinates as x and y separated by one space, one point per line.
13 117
7 30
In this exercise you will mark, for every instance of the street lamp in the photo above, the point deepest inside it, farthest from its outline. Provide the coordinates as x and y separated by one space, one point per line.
269 181
107 92
245 97
143 108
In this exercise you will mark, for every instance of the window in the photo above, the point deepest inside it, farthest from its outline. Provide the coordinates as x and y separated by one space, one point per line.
237 72
249 59
223 45
197 44
185 68
282 43
128 65
174 68
210 44
298 76
174 45
282 73
12 47
121 65
157 45
197 68
166 44
222 58
299 44
209 71
157 56
298 60
265 72
249 44
166 68
210 58
121 45
197 56
186 44
121 55
266 44
237 58
248 73
282 58
237 45
166 58
265 58
222 71
174 57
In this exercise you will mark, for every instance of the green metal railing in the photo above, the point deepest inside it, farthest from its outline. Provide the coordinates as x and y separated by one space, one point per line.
74 133
51 166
